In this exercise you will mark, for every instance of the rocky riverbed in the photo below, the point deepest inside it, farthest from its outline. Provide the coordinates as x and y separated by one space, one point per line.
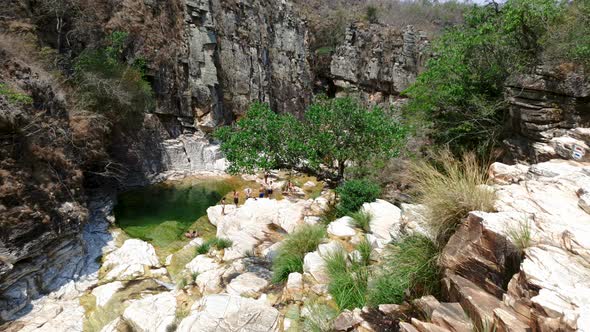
116 283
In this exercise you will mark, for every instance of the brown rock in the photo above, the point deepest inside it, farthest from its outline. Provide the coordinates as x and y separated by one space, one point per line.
480 254
452 317
427 327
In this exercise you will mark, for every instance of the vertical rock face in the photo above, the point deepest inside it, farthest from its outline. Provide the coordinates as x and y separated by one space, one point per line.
229 54
239 52
378 61
545 109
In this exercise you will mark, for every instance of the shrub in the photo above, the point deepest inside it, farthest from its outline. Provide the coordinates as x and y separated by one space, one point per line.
362 219
409 267
461 92
290 254
348 280
108 84
450 189
371 14
354 193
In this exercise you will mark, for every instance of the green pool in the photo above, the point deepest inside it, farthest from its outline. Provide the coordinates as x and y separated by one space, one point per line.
162 213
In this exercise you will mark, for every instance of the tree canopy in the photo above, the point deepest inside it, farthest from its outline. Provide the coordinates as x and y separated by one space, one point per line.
332 134
461 91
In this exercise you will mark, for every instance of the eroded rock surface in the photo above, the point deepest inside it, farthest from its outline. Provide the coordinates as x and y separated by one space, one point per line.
218 313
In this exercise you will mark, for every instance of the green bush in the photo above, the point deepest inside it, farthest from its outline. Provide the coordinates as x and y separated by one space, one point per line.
460 94
362 219
290 254
371 14
410 267
108 84
568 39
348 280
354 193
450 188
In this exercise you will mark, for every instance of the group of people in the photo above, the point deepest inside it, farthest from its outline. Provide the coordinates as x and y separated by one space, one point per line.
266 190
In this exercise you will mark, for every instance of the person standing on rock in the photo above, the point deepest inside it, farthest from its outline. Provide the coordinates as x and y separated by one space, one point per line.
223 206
261 192
236 198
269 190
248 193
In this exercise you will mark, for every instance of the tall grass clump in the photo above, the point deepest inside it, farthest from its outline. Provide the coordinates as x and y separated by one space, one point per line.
410 267
362 219
450 188
290 254
348 280
216 242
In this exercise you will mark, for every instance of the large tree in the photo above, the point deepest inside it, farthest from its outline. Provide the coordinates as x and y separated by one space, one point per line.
333 134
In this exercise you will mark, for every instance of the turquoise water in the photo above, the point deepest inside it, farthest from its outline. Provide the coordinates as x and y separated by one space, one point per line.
162 213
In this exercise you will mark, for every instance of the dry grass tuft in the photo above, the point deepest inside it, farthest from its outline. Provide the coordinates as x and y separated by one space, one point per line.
450 188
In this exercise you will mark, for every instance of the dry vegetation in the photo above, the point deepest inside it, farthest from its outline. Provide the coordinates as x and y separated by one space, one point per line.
329 19
450 188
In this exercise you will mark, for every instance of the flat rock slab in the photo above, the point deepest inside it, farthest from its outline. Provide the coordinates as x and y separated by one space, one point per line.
229 313
130 261
153 313
246 284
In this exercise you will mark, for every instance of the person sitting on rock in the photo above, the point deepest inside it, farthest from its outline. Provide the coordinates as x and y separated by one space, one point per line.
194 234
188 235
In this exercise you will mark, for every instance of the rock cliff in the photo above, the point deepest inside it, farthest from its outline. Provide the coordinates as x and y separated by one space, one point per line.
378 62
547 109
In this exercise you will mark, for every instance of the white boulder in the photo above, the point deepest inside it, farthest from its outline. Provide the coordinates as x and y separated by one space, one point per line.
246 284
315 265
249 224
385 219
228 313
341 228
131 261
202 263
153 313
294 288
105 292
210 281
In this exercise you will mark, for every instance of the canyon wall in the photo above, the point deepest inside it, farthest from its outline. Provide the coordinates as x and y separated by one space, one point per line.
549 114
377 62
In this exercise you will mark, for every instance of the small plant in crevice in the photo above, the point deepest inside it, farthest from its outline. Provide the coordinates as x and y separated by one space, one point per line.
362 219
521 234
217 243
290 254
450 188
409 268
348 280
